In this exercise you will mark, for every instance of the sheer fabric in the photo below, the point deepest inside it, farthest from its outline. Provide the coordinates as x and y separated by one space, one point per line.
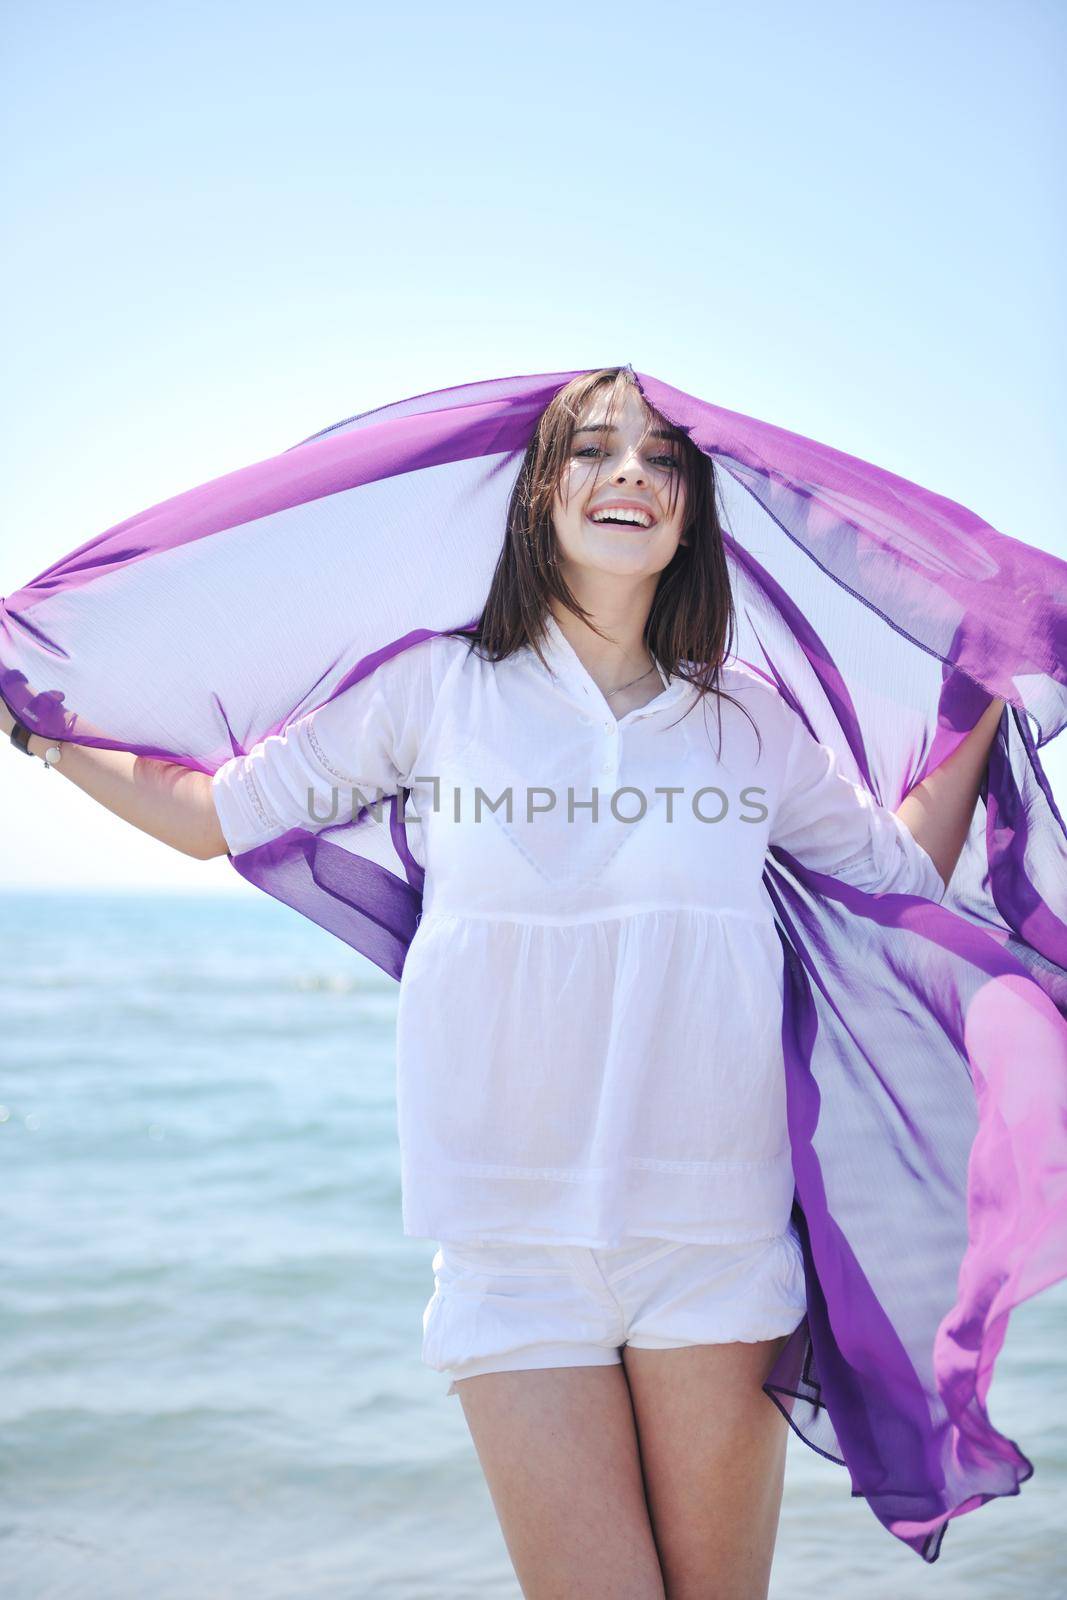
924 1042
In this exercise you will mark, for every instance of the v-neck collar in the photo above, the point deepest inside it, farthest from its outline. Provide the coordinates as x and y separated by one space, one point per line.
564 660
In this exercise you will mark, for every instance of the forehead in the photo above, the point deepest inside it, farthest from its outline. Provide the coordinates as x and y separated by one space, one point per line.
630 412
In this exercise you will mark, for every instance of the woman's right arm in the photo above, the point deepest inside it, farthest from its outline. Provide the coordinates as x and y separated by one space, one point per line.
171 802
299 778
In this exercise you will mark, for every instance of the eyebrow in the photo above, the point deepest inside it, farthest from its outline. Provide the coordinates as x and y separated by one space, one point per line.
606 427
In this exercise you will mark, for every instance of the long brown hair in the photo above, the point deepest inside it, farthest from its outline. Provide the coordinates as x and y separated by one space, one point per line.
691 622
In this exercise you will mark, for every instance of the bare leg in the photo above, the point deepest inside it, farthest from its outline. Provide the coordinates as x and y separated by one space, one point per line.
713 1450
559 1451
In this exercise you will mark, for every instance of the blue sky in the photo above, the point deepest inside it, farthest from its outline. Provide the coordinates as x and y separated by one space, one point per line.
229 225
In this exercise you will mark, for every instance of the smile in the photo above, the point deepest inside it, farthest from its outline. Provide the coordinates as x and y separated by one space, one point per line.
620 516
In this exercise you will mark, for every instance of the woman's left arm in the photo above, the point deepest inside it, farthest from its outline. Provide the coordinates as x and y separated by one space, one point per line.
939 810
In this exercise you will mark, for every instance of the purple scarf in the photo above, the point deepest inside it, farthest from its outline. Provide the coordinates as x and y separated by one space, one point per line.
925 1044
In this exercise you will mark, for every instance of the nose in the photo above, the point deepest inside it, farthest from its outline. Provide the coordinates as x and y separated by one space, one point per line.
622 476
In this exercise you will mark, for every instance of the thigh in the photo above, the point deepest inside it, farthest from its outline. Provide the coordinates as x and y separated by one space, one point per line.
560 1455
713 1448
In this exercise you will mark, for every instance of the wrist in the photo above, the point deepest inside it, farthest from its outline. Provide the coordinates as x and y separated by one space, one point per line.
37 744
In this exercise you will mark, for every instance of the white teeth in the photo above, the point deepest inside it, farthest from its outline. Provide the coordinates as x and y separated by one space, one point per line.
640 518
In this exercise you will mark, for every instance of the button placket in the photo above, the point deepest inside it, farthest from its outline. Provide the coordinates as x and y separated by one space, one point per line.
611 757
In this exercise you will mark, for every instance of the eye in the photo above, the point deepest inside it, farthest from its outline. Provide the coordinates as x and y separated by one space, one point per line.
671 462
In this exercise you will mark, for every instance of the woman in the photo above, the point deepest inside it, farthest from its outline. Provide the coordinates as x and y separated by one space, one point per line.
590 1090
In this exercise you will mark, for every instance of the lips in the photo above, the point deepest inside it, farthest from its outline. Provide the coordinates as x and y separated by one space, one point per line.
598 514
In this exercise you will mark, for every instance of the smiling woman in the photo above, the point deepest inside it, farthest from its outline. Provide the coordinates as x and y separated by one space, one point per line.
658 590
722 1117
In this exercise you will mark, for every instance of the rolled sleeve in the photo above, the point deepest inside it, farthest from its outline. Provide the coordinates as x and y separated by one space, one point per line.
323 768
834 826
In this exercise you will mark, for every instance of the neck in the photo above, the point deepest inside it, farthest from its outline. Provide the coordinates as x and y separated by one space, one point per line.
613 661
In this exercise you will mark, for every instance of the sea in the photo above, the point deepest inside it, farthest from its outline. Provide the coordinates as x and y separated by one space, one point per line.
211 1383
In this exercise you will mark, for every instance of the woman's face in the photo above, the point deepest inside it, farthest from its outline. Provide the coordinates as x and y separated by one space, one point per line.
634 478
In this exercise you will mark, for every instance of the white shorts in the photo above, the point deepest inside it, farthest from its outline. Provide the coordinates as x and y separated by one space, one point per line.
507 1307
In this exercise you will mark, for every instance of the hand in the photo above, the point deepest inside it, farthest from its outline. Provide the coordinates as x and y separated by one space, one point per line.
8 680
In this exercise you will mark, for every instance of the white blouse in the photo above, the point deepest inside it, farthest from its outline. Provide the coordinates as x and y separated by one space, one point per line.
589 1017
